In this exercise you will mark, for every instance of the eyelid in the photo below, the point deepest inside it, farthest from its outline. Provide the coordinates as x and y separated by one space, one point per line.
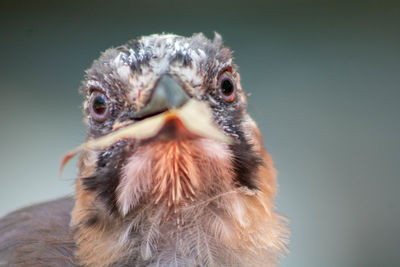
227 71
95 89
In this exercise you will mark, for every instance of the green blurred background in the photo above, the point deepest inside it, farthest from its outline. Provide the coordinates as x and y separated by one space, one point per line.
324 78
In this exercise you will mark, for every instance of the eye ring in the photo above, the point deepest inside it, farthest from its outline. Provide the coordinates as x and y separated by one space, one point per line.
99 106
227 87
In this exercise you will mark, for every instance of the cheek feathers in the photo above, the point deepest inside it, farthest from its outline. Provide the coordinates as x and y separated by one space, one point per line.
174 173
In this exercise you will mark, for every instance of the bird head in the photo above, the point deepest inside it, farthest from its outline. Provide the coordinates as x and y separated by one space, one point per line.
176 179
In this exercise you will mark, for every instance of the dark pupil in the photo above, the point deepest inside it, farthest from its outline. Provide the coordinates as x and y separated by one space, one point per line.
99 105
227 87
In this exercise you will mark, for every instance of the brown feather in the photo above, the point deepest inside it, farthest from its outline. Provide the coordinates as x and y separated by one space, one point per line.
38 235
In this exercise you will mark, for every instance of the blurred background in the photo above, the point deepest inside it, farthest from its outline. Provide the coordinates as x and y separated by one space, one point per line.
324 81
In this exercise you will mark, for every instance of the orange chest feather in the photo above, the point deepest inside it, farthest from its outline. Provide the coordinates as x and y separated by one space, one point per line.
175 172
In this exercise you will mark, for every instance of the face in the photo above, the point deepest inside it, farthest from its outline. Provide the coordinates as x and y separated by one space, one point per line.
144 78
197 191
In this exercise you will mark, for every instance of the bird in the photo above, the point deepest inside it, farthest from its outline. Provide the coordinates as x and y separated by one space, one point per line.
175 198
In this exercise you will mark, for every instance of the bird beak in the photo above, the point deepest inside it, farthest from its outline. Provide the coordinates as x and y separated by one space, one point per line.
168 94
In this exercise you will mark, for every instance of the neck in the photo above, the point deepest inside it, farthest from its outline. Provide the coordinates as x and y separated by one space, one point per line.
229 226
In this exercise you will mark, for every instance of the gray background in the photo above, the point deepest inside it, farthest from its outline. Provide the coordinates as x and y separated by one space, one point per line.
324 78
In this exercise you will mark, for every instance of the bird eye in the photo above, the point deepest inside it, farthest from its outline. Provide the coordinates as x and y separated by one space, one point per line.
99 107
227 87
